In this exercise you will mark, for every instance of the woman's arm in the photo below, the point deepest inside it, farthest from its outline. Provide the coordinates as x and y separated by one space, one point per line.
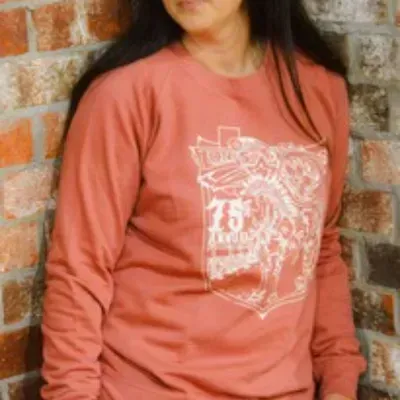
98 188
337 360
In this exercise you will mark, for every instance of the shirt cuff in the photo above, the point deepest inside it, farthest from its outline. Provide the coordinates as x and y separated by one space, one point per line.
338 380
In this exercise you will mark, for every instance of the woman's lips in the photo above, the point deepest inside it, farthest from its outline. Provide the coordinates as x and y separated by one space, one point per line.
190 5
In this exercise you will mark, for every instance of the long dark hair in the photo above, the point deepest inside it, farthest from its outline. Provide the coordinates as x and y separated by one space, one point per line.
284 24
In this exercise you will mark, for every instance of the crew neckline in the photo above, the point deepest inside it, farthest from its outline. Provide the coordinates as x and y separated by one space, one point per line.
198 69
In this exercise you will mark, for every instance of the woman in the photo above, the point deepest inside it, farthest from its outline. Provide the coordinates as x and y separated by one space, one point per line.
195 252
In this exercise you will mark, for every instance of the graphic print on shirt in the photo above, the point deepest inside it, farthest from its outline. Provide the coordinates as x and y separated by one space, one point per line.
263 213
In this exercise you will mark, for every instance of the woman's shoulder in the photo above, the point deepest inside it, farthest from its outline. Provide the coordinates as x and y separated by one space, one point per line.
137 77
318 77
325 93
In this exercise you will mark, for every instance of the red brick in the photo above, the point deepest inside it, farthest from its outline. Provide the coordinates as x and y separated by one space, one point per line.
381 162
397 16
374 311
367 211
29 191
26 389
106 18
41 81
16 143
384 363
20 352
22 299
54 129
13 32
18 246
57 26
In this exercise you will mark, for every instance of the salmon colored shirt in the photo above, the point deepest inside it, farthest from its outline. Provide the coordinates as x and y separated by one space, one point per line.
195 252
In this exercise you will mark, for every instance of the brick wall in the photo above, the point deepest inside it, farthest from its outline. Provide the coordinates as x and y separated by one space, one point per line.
43 46
366 32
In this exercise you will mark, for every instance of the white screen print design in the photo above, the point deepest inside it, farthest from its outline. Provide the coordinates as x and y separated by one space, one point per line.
263 216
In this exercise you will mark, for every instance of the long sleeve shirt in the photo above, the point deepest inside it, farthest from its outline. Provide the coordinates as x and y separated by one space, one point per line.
195 251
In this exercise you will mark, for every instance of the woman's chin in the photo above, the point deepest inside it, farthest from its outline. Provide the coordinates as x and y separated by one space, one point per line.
197 26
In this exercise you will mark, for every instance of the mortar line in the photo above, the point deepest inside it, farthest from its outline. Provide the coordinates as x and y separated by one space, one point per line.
31 31
65 52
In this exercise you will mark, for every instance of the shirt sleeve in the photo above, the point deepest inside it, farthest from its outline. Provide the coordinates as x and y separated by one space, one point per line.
100 177
337 360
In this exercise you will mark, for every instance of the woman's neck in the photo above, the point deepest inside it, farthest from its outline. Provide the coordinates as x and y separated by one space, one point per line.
227 50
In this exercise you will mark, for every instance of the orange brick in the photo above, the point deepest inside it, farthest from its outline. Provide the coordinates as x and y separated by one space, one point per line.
107 18
54 129
57 26
22 299
16 143
20 352
18 246
381 162
29 191
13 32
368 211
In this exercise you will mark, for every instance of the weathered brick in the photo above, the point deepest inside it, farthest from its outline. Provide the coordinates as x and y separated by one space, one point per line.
26 389
18 246
348 256
16 142
106 18
58 26
22 298
384 264
379 57
369 393
20 351
13 32
54 129
348 11
385 363
41 81
395 113
374 311
339 43
369 108
381 161
367 211
29 191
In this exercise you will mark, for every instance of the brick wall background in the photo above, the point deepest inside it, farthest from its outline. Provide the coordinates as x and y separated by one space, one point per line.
43 46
